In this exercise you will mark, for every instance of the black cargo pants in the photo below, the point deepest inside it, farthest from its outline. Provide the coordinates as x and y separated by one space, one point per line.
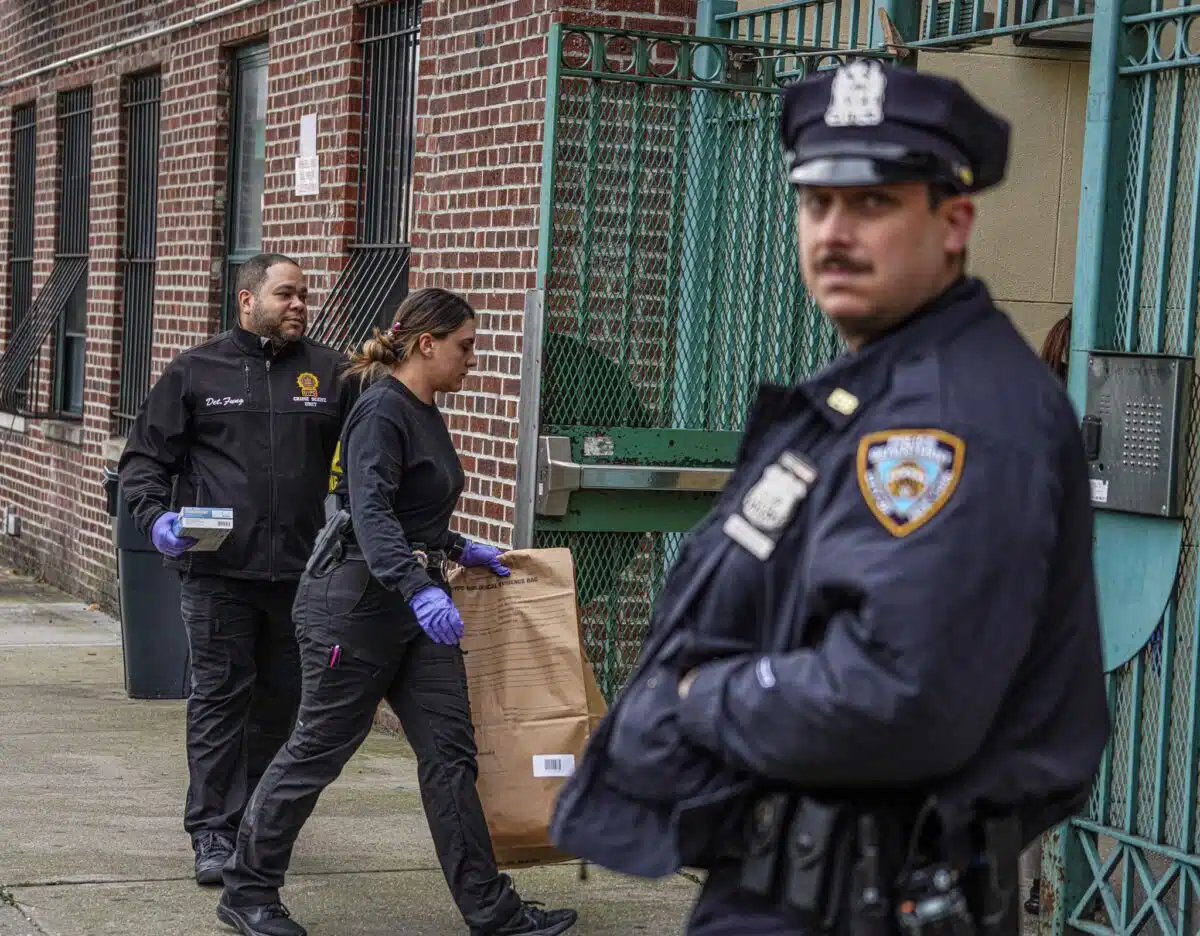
360 643
244 695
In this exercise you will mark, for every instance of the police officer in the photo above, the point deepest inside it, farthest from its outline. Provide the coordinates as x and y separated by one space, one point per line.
246 420
874 672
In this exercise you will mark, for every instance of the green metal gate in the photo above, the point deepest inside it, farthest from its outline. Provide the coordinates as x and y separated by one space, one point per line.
670 288
1136 289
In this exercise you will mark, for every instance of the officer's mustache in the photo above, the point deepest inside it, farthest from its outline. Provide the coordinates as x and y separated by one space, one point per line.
837 262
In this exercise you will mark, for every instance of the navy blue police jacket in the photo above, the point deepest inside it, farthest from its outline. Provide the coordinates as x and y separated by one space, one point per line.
894 592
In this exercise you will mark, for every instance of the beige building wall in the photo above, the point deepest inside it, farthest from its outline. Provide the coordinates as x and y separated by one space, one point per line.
1024 246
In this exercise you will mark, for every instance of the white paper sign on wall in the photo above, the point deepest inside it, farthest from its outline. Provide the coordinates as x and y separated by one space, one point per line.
308 169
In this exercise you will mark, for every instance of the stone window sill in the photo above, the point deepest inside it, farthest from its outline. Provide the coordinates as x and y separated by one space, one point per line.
62 430
11 422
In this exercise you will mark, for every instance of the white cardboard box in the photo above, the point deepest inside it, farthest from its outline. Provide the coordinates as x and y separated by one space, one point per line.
208 525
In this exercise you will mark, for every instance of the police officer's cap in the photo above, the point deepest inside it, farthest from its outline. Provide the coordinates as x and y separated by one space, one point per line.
867 123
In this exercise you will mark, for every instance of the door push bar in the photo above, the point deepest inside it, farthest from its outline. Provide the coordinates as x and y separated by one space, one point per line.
558 477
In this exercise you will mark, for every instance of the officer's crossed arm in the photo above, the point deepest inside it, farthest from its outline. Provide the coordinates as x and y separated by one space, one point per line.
157 447
930 605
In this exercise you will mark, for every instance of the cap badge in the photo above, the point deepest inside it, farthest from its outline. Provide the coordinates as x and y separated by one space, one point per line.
856 95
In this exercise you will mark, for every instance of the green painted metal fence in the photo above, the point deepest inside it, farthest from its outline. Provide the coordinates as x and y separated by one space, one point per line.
671 289
1136 846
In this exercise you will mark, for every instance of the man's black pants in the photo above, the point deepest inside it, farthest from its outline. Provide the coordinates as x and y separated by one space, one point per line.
245 692
359 644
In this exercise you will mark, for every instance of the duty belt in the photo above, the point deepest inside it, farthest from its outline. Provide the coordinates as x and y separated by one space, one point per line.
432 561
848 868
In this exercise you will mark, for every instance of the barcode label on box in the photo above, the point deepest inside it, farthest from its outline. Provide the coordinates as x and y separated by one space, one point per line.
553 765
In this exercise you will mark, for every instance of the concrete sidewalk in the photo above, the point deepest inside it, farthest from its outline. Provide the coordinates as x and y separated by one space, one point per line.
91 793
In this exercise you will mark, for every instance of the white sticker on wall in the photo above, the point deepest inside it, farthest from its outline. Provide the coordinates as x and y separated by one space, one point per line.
553 765
1099 491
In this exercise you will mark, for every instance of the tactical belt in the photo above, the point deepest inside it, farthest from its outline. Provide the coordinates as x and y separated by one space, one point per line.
842 868
432 561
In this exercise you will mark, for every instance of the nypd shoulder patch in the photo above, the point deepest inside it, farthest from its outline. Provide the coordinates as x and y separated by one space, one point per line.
908 475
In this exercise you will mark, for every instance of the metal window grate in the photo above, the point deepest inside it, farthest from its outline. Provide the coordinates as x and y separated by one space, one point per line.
65 291
388 114
375 280
142 112
75 169
20 259
19 366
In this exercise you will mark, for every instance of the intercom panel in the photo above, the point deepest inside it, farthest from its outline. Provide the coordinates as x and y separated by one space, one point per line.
1135 431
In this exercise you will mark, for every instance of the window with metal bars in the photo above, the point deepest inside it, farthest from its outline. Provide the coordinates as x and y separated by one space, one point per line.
141 111
20 254
375 280
75 172
247 168
61 305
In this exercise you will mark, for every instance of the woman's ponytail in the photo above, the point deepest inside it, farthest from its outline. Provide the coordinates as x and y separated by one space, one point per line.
375 359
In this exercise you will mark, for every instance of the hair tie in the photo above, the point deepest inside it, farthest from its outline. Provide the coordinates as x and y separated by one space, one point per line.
394 331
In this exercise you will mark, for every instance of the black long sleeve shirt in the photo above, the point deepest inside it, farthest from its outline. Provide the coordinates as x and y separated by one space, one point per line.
402 480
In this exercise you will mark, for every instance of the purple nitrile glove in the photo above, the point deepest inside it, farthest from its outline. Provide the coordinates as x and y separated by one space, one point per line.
164 538
478 554
437 615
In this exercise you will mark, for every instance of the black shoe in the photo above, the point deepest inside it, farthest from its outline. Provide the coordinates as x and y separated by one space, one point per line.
531 920
260 920
1033 904
212 851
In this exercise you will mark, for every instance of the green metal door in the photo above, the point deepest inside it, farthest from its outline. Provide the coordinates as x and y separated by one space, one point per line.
669 289
1136 289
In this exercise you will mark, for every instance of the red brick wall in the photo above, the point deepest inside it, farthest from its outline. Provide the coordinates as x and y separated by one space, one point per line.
477 188
476 203
313 69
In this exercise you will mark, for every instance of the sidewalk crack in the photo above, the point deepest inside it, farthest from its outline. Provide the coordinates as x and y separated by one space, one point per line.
8 900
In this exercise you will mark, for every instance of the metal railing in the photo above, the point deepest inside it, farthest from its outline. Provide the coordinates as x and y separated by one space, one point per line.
142 109
805 25
852 24
375 280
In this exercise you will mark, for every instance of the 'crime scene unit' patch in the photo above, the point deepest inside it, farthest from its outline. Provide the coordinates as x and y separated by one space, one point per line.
908 475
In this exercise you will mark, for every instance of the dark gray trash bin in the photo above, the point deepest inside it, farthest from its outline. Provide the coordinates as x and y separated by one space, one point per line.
157 663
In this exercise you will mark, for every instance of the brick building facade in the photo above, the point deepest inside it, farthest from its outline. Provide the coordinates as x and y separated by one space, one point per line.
86 85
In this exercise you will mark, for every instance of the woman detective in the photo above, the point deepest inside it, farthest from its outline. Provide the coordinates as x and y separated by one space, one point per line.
379 623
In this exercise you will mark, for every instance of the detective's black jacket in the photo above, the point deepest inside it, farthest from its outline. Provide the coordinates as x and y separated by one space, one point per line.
240 425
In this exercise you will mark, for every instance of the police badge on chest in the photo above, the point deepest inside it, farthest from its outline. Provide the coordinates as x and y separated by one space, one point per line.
770 504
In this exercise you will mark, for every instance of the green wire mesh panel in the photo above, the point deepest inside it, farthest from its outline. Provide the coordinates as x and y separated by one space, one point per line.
616 577
673 287
1144 832
672 282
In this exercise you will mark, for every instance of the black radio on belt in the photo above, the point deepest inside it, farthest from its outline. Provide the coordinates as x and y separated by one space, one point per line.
930 902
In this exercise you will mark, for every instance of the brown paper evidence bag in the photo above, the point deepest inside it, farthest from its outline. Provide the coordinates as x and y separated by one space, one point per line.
534 697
